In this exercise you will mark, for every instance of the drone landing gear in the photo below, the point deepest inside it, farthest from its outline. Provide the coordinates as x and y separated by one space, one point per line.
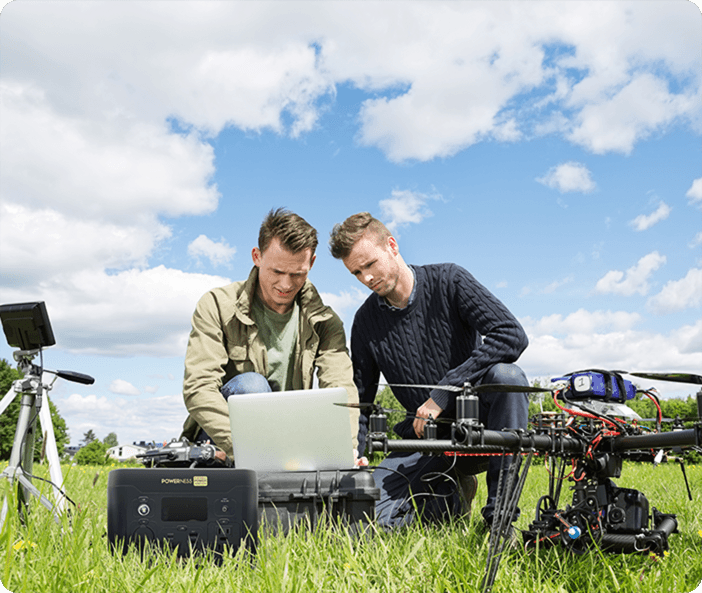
601 515
509 491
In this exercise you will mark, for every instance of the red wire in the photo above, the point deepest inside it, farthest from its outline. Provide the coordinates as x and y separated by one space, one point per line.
653 399
580 413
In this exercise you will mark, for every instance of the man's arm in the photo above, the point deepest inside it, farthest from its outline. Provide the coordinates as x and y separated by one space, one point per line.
504 339
206 361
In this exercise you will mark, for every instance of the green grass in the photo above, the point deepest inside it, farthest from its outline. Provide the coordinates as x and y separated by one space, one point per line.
74 557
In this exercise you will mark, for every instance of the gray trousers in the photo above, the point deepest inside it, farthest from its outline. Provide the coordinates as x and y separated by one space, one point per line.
413 482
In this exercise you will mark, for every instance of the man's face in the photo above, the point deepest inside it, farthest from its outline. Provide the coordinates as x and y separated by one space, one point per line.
375 264
281 274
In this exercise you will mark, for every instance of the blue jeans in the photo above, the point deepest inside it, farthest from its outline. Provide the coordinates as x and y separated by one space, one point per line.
412 480
243 383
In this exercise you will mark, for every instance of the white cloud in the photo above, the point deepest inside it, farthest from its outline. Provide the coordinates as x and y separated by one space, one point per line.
635 280
646 221
678 295
39 244
123 387
143 419
345 300
403 208
345 305
569 177
79 220
609 340
115 167
556 284
617 123
489 74
130 313
697 240
695 192
219 253
584 322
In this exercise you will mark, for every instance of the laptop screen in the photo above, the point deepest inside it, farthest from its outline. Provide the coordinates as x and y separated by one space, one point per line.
291 430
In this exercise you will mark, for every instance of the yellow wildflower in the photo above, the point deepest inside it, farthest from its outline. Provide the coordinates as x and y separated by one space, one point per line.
21 545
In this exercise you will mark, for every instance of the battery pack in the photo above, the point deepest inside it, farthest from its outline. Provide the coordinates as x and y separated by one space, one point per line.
185 509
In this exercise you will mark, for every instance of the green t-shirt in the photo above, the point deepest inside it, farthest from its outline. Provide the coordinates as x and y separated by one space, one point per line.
279 335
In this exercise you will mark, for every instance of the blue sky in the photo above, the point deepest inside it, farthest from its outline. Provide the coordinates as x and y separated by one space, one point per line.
553 149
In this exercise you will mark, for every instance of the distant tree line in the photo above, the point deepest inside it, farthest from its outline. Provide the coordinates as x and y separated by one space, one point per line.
94 451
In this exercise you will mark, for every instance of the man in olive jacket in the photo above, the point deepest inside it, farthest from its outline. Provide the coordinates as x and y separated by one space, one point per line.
273 324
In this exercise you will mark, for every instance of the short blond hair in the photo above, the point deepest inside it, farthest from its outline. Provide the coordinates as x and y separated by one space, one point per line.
345 235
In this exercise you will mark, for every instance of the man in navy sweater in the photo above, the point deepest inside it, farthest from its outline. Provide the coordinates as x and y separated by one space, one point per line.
434 325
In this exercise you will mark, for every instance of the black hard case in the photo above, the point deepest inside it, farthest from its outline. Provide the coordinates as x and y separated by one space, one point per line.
288 498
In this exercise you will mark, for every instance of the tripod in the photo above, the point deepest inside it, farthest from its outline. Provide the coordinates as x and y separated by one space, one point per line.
19 469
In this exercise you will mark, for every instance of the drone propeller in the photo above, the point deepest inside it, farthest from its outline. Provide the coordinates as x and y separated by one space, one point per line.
419 386
656 420
363 406
496 387
674 377
381 410
692 419
485 388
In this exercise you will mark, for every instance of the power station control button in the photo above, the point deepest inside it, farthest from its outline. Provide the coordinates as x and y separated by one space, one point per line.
143 509
224 507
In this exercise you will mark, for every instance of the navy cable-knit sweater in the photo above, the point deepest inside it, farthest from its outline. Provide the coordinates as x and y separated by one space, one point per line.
435 340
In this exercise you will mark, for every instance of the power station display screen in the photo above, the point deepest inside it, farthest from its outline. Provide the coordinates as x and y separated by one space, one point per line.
183 509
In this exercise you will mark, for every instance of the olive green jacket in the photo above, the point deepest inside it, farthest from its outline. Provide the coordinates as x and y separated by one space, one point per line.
224 342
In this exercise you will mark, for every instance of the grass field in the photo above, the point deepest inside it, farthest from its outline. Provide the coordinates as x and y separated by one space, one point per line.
44 557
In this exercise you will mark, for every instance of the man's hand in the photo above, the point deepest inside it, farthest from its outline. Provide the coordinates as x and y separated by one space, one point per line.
363 461
428 408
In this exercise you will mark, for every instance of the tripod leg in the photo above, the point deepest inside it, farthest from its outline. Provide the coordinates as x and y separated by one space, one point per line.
7 399
22 459
3 513
32 489
25 489
22 454
52 455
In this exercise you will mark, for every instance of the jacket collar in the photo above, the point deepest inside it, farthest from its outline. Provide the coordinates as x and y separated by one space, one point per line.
311 305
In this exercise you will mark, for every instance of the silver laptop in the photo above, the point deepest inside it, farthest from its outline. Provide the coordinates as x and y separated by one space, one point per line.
291 430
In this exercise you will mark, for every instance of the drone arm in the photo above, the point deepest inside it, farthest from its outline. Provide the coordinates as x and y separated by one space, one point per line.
676 438
493 441
496 440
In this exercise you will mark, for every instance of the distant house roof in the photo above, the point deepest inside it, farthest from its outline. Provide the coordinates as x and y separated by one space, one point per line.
125 451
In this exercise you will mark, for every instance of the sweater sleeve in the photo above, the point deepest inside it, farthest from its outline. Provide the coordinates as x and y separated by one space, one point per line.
503 338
